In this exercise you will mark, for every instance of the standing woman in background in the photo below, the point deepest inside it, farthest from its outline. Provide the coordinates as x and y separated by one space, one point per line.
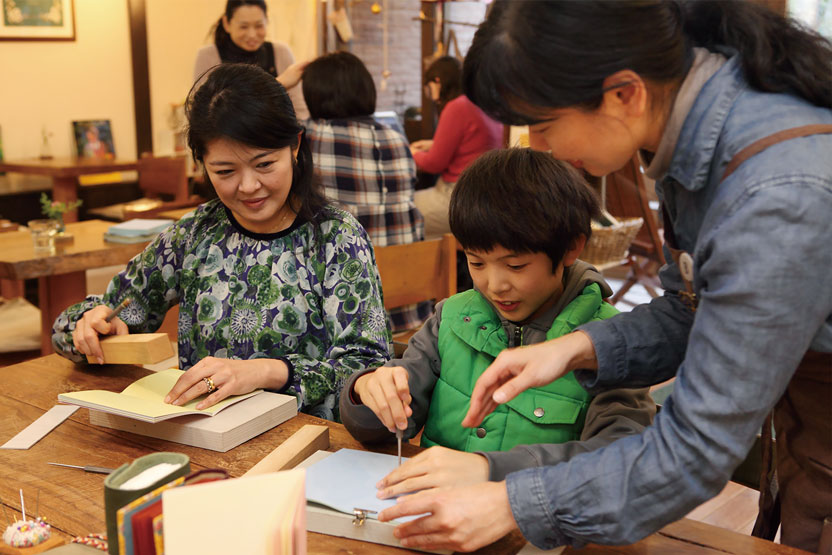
731 104
240 37
463 133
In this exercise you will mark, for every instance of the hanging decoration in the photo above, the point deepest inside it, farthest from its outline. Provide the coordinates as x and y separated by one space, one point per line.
386 73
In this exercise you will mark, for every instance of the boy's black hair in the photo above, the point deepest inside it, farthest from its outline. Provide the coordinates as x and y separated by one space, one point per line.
337 86
524 201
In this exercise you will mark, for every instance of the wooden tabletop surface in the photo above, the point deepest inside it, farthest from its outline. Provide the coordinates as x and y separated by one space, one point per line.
67 167
88 249
72 501
175 214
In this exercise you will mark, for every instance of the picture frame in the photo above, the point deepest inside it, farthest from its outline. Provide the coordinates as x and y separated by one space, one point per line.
93 139
37 20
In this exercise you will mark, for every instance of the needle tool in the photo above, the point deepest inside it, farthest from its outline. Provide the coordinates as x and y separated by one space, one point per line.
399 442
96 469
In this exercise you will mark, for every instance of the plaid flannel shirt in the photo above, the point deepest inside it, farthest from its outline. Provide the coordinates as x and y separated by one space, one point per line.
367 169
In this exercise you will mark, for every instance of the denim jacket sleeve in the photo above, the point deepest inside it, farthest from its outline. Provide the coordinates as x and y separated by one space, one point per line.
765 294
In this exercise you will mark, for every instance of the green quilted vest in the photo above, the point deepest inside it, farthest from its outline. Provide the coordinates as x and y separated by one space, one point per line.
470 338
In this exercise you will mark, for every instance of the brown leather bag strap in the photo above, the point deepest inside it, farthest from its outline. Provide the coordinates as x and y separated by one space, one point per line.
759 146
768 515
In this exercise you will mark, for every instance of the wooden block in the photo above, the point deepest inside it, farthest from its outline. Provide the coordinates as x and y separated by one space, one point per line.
299 446
53 541
137 348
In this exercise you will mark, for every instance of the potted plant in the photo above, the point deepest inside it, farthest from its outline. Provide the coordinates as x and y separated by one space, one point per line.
56 210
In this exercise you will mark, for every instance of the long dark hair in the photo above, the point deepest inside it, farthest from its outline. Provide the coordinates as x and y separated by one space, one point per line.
338 85
449 71
243 103
531 56
550 205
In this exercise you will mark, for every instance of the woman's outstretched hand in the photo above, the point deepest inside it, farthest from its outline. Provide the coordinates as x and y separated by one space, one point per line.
459 518
434 468
516 370
292 75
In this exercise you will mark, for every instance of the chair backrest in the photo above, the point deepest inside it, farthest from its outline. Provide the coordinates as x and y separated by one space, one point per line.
163 175
415 272
626 197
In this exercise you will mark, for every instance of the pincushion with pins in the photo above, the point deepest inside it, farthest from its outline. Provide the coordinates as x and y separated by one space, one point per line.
26 533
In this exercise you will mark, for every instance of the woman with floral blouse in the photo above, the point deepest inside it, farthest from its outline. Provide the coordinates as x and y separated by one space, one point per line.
276 288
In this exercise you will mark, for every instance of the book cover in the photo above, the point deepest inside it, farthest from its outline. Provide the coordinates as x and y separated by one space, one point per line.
139 227
129 239
144 399
233 426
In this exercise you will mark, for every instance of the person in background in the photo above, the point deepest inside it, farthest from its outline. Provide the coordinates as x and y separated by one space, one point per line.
276 288
462 134
240 37
529 286
363 165
730 104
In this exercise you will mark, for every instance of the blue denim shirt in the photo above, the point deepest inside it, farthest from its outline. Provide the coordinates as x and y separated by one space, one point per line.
762 258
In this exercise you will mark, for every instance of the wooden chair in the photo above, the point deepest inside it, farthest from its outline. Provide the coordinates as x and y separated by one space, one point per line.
416 272
626 197
164 184
10 288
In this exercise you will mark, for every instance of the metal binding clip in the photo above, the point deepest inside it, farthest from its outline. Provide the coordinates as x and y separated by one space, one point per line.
360 515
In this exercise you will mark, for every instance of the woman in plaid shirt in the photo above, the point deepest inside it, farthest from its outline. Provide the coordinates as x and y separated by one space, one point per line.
364 166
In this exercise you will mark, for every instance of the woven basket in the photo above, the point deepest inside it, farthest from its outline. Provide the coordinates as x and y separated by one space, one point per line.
609 244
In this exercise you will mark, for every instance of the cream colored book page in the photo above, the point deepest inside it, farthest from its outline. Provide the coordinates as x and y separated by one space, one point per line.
120 403
248 514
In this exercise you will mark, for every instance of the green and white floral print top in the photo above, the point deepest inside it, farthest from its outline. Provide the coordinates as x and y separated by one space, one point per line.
309 295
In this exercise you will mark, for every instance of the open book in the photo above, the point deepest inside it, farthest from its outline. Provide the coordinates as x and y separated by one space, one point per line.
144 399
257 515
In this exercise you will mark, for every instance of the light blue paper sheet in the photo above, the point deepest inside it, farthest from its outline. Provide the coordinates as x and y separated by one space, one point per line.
347 480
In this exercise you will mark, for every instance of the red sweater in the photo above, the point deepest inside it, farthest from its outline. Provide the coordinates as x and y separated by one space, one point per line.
464 132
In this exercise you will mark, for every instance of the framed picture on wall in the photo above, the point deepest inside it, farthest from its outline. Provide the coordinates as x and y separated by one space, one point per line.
93 139
37 20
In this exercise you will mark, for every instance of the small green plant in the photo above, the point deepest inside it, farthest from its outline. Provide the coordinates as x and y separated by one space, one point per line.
56 210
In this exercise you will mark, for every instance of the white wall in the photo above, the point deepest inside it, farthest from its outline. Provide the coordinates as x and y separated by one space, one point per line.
53 83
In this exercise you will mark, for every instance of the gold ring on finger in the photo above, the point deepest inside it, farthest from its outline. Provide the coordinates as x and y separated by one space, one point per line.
210 384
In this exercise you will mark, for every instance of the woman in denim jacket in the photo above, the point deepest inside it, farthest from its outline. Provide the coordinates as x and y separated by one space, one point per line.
745 326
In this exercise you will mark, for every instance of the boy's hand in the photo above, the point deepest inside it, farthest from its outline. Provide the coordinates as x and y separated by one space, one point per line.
386 392
434 468
90 326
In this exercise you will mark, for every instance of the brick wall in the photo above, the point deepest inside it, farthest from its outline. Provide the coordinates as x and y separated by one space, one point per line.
404 86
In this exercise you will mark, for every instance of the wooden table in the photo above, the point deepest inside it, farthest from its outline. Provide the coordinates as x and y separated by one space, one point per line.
72 501
64 173
61 278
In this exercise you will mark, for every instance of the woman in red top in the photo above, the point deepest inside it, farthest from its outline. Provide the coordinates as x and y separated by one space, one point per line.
464 132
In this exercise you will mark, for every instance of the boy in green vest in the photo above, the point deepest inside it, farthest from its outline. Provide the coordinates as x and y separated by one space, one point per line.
523 219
